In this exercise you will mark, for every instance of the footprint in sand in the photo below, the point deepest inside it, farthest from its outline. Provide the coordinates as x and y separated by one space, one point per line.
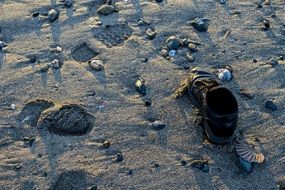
112 35
60 119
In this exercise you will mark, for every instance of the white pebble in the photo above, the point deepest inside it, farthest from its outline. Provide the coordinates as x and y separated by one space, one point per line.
55 63
172 53
12 106
58 49
224 74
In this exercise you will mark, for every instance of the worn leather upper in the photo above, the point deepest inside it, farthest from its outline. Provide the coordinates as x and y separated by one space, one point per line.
200 82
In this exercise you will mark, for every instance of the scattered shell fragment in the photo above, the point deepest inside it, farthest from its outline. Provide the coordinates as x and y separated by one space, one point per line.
247 153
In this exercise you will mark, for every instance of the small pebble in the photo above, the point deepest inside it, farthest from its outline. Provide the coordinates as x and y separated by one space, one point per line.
164 53
265 25
53 15
94 187
246 93
35 14
199 24
68 3
269 104
222 1
58 49
183 163
96 64
245 165
147 103
2 45
158 1
55 64
190 57
106 144
171 53
140 86
151 34
119 157
106 10
185 42
172 43
156 165
99 22
205 168
32 58
186 66
44 67
158 125
12 107
254 60
224 74
192 47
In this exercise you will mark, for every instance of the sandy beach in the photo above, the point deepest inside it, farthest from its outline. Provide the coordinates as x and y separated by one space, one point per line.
47 62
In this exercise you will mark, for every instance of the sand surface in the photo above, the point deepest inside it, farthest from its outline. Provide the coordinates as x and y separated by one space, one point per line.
151 158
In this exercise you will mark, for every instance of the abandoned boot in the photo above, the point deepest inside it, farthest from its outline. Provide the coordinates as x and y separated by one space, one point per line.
217 105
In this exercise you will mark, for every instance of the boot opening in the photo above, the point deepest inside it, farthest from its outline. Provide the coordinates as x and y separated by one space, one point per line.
221 101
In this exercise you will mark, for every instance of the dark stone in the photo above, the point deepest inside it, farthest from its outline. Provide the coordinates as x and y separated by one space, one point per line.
119 157
130 172
172 43
183 162
159 1
205 168
158 125
35 14
200 24
94 187
265 24
156 165
147 103
245 165
53 15
33 59
68 3
270 105
186 66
